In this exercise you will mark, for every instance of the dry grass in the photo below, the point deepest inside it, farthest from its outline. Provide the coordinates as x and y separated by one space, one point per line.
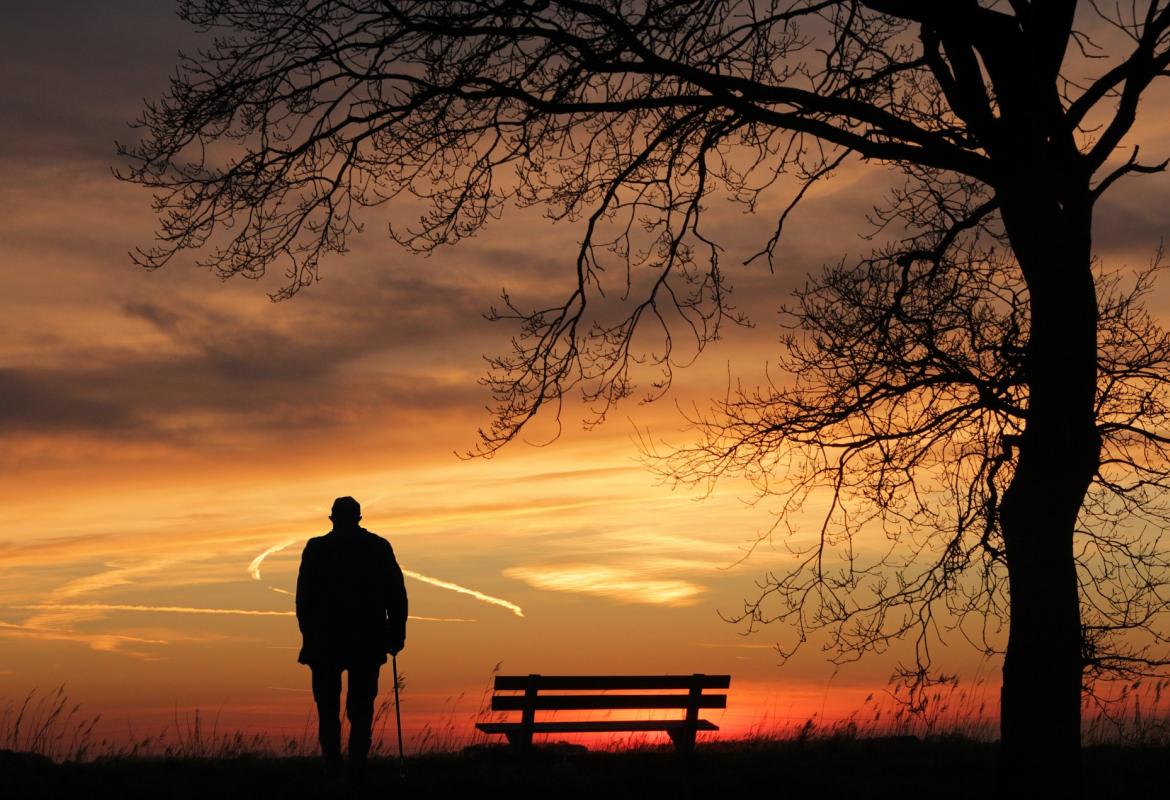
942 747
49 725
1129 713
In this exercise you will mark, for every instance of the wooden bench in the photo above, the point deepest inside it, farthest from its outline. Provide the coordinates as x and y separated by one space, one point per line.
528 694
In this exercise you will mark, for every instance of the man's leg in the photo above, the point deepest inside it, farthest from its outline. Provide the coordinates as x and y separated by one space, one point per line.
327 694
359 708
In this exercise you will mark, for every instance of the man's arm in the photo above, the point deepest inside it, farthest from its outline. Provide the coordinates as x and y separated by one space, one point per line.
307 587
396 606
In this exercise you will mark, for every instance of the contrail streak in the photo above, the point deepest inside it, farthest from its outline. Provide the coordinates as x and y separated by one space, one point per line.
248 612
454 587
254 571
244 612
442 619
254 567
54 633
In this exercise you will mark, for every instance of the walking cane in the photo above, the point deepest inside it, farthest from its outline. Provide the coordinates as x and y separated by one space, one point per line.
398 716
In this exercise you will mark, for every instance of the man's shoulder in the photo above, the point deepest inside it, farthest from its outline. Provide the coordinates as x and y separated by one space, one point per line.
377 541
315 542
365 541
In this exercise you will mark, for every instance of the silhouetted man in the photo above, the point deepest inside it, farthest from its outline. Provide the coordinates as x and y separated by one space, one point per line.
351 608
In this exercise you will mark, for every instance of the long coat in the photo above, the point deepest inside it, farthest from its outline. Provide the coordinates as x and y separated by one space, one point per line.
351 599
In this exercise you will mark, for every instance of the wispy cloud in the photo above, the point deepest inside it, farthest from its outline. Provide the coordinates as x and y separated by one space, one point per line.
247 612
98 641
62 613
242 612
114 576
454 587
614 582
254 567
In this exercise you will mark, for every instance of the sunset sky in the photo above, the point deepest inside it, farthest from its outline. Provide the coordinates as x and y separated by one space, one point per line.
162 432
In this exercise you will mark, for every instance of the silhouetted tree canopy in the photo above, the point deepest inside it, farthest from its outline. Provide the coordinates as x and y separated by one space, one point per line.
977 387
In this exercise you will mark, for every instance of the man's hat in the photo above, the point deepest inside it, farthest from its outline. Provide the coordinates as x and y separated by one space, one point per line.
346 509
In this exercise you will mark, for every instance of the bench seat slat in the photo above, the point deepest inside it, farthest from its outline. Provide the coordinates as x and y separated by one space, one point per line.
518 683
632 725
562 702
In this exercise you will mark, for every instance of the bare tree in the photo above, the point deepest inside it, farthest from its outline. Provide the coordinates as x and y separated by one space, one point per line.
627 115
903 394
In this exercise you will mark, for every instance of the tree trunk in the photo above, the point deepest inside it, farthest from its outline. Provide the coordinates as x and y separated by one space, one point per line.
1059 452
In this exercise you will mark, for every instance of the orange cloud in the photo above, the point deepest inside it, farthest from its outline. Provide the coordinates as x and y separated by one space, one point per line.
625 585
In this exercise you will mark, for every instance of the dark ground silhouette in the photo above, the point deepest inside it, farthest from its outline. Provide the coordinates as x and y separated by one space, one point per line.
903 768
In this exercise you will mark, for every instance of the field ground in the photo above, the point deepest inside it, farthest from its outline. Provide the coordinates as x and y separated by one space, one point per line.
906 767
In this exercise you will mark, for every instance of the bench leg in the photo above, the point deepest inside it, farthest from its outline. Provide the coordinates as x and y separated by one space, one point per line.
684 740
520 740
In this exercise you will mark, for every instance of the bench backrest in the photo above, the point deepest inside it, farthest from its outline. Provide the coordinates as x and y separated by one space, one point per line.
688 694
